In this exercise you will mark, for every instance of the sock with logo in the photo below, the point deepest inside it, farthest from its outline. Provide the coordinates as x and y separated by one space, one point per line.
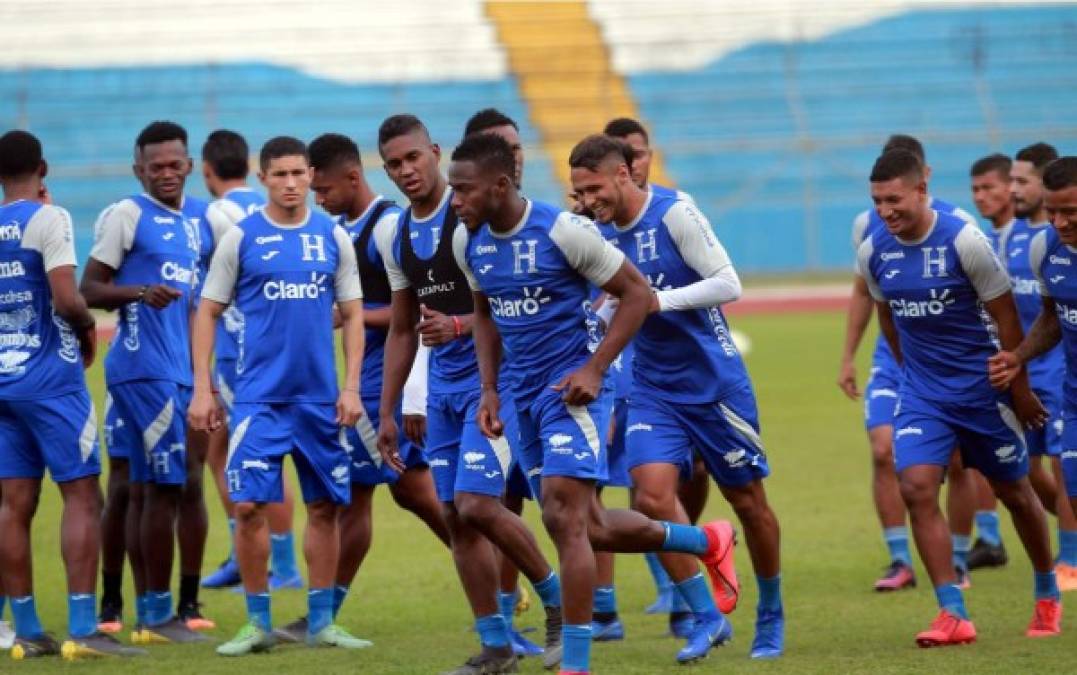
81 621
259 610
493 630
319 609
549 590
158 608
698 595
897 542
576 639
1046 586
684 538
340 591
1067 547
987 527
962 545
283 549
27 623
951 600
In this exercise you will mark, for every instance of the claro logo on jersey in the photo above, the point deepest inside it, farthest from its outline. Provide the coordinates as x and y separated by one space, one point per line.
171 271
933 306
11 268
289 290
1066 313
529 305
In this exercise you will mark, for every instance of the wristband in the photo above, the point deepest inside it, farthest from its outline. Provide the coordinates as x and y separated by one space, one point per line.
142 293
457 327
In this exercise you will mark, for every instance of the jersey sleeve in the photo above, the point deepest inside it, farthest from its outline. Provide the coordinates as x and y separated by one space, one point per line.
384 238
860 229
50 233
459 251
863 265
221 215
596 259
966 216
116 233
415 388
224 268
1037 252
346 280
980 263
694 238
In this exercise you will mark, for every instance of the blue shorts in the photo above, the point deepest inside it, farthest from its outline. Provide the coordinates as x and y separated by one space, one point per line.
1048 440
724 434
154 431
58 432
361 444
881 397
117 434
460 457
1068 430
988 435
517 483
561 440
617 457
225 378
263 433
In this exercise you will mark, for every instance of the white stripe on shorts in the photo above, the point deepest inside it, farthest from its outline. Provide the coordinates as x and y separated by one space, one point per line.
369 437
158 427
503 453
742 427
88 435
586 425
236 439
1009 418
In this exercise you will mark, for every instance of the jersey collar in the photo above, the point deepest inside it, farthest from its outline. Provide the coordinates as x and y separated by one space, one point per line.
441 206
639 216
515 228
930 230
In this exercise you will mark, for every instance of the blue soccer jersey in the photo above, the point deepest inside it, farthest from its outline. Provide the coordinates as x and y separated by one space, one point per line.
148 243
194 210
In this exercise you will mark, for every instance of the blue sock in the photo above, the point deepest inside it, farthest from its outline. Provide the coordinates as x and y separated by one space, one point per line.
950 599
81 618
605 600
549 590
697 594
319 609
1067 547
658 573
770 593
158 607
258 610
897 542
507 603
962 546
493 630
142 608
24 611
283 548
684 538
232 538
680 603
1047 586
987 527
340 591
577 647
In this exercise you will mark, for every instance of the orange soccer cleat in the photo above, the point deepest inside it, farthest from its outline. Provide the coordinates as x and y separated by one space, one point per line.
1046 618
1066 576
946 630
718 559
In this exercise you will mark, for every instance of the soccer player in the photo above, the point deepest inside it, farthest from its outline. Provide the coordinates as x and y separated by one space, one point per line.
1046 372
703 398
47 338
284 267
933 276
530 266
225 166
428 289
880 401
144 263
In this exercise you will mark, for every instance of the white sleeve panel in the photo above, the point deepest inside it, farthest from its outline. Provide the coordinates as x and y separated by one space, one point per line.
220 283
223 214
694 238
346 282
863 259
116 233
1037 251
715 290
860 230
384 235
50 233
980 263
966 216
415 386
596 259
459 251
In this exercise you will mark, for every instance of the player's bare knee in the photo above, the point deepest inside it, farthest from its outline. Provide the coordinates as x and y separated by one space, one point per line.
322 513
248 513
477 510
918 491
655 503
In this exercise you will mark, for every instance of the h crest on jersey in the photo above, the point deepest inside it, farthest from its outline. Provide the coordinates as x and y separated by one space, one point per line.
646 246
934 261
520 257
313 247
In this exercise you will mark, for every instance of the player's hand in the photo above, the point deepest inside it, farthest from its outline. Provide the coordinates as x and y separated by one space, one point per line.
1029 410
388 444
1002 368
349 408
581 386
204 413
490 423
87 337
160 296
415 429
654 307
847 380
435 328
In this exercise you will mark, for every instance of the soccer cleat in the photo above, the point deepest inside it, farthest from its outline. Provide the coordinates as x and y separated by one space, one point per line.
523 601
718 559
769 640
32 648
110 620
1046 619
249 640
138 634
96 646
1066 575
551 657
608 631
947 630
964 581
225 576
335 636
708 631
7 635
521 646
898 576
490 661
663 604
681 624
190 614
293 632
173 631
983 555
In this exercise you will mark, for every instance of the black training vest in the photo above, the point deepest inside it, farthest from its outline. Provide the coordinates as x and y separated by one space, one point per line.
438 282
375 282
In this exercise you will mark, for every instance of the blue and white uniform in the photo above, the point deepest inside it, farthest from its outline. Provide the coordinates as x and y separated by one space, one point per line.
148 366
1045 374
284 279
935 288
46 416
702 398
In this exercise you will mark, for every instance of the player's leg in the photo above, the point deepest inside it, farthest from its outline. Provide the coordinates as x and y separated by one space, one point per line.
283 567
227 573
356 532
987 550
113 519
1043 483
7 634
960 512
1066 565
694 490
512 598
606 624
414 491
192 529
19 498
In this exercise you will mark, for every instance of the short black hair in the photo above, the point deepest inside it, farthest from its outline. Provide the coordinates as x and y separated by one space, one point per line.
399 125
905 142
1060 174
330 151
227 152
623 127
488 118
1039 154
160 131
20 154
281 146
897 163
997 162
489 151
595 149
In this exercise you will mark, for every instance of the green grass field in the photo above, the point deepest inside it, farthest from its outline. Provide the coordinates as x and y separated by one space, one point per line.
407 599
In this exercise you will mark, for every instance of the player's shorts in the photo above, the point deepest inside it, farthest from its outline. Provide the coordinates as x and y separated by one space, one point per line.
617 457
58 432
988 435
361 444
154 431
1048 440
117 434
460 457
225 378
557 439
263 433
725 434
881 397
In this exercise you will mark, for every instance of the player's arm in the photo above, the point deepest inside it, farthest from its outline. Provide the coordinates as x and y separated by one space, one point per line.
886 318
50 232
888 329
694 238
349 296
414 403
857 318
